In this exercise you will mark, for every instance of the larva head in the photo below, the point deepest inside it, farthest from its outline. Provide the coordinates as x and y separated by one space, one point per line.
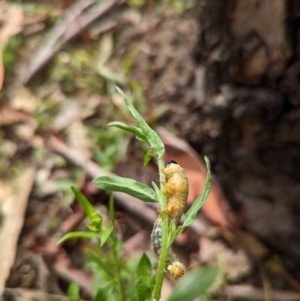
171 162
172 167
176 269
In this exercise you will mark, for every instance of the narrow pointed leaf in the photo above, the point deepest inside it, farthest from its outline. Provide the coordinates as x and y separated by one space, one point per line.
84 202
128 128
143 278
105 234
148 157
151 136
157 191
192 212
79 234
126 185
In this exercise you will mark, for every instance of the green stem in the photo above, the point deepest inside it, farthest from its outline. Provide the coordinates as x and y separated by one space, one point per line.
164 244
118 268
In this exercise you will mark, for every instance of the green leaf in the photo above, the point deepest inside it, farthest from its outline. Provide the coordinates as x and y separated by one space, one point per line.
148 157
104 292
192 212
172 232
73 292
129 186
151 136
105 234
157 191
84 202
79 234
143 278
128 128
193 284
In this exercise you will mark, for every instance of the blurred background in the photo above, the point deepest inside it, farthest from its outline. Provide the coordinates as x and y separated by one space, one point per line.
215 78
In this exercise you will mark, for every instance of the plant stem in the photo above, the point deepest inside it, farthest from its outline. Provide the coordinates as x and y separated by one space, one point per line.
164 244
118 268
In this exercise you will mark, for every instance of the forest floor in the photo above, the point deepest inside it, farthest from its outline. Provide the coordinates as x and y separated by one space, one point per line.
58 74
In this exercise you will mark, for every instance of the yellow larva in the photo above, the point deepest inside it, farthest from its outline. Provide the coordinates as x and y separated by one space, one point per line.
174 267
177 192
177 189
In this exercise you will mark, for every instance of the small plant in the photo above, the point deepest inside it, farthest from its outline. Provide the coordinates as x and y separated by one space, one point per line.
171 196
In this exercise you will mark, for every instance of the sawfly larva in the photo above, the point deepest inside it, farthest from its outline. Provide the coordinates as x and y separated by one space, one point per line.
174 267
177 189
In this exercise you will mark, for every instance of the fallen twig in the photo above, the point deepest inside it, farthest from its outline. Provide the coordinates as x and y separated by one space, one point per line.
73 21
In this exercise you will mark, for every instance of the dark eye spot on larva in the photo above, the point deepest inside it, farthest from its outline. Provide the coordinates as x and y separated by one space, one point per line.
171 162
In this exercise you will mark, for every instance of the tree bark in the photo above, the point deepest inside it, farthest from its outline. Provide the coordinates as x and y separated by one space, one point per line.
248 112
